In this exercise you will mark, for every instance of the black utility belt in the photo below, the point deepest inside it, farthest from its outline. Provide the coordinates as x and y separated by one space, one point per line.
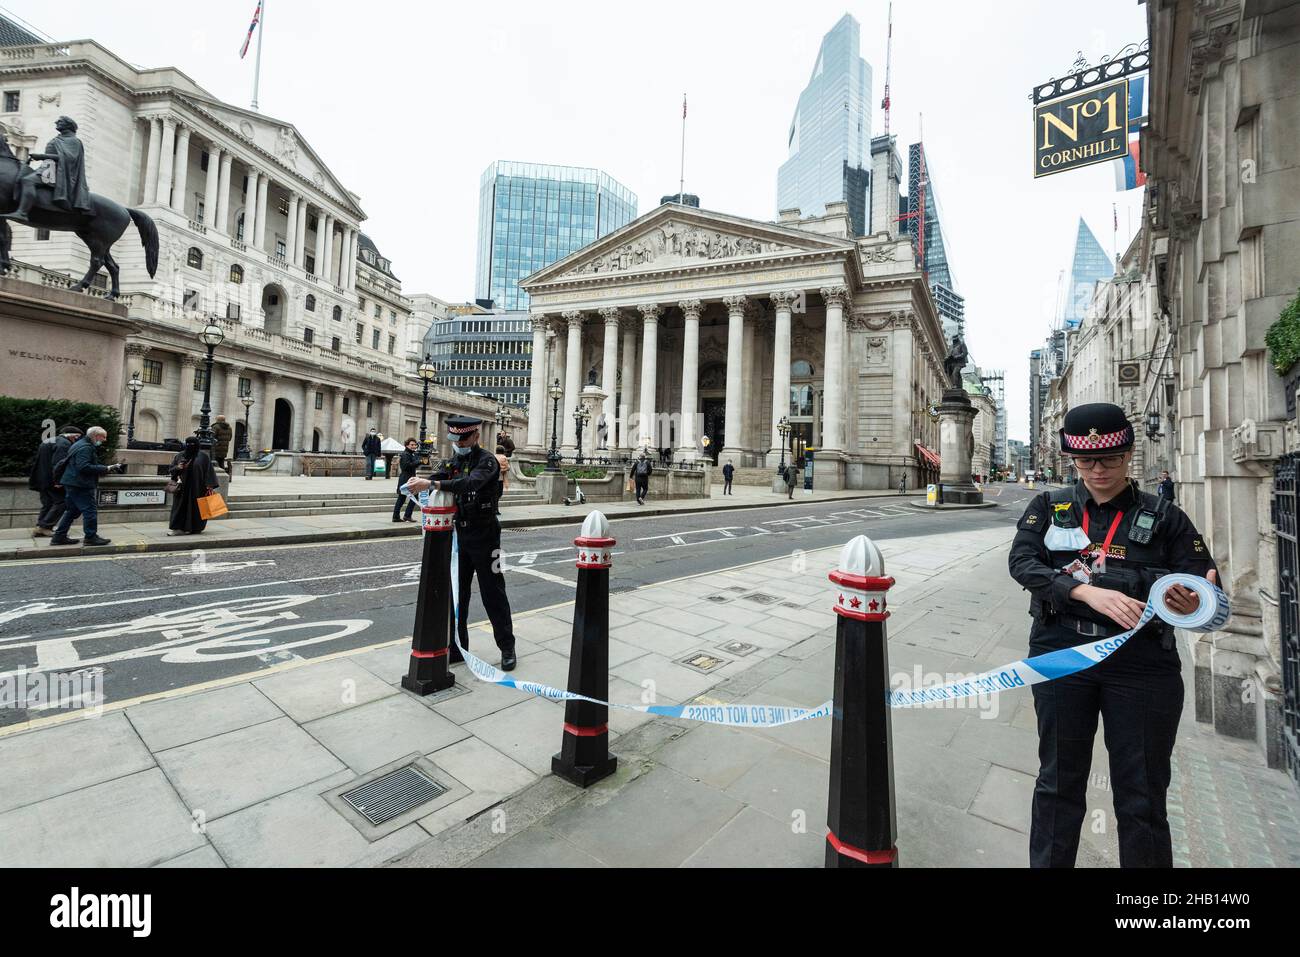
485 522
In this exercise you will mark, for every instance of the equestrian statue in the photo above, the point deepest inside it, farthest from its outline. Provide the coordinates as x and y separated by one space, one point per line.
55 196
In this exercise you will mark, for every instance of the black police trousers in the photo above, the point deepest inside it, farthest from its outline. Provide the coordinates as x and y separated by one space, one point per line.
1138 692
480 554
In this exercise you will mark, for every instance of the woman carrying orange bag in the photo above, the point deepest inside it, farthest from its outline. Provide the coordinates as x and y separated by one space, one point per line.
194 477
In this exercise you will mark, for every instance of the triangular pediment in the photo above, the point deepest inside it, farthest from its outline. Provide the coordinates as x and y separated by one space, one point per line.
675 236
282 141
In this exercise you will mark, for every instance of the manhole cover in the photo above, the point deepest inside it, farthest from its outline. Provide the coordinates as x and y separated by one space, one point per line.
739 648
718 599
761 598
703 662
790 604
395 793
737 588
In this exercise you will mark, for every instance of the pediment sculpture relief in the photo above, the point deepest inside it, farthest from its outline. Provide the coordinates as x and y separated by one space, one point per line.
675 242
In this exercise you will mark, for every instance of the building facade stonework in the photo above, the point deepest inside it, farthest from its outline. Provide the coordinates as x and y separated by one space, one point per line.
696 323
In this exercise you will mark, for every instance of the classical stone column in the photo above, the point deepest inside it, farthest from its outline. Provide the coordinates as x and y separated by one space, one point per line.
731 451
210 186
274 390
537 386
320 244
649 374
291 230
609 376
751 414
222 216
349 258
836 297
573 381
152 160
686 442
251 179
327 268
230 406
626 435
336 420
182 170
166 160
263 186
782 302
185 396
300 245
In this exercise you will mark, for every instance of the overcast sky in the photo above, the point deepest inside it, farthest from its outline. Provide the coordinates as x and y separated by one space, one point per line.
407 103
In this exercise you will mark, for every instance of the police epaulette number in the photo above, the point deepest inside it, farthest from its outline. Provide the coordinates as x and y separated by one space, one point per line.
1031 521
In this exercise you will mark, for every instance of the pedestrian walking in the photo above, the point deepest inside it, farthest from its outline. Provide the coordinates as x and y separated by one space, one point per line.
370 448
1089 554
1166 488
406 468
78 474
791 477
195 478
502 485
41 479
728 472
642 469
471 477
221 444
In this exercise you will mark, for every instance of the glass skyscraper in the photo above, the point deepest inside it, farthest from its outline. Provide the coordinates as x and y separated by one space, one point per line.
952 306
1089 265
531 215
830 136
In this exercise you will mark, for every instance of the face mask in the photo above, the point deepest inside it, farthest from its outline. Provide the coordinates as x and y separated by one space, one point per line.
97 442
1060 539
462 452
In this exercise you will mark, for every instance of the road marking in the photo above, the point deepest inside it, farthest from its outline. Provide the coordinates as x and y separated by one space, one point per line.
538 573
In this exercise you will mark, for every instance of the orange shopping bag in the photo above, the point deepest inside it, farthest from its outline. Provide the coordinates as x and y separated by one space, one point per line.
211 506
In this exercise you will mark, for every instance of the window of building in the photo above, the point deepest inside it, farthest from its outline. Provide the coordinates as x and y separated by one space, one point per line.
335 344
392 345
281 249
310 303
363 305
309 263
282 204
272 299
392 317
198 209
308 335
203 160
346 403
312 224
194 258
12 101
370 409
338 313
200 378
361 333
239 228
232 310
152 372
42 235
374 339
236 273
245 386
320 400
379 311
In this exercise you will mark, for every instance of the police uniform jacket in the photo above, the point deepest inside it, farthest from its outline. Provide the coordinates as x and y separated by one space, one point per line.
472 479
1130 567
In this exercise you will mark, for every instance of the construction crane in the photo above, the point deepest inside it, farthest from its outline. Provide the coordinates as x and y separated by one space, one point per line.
889 50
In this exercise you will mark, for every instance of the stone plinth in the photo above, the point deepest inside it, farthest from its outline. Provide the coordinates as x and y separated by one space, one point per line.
592 398
59 344
956 448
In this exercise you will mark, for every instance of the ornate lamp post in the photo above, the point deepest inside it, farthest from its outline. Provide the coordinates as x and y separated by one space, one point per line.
428 372
1153 425
211 336
553 456
135 385
783 429
244 452
581 416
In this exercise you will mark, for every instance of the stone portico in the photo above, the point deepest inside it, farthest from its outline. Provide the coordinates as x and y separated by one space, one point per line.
698 324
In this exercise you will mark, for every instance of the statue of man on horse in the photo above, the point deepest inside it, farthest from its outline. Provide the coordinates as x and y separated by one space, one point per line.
55 196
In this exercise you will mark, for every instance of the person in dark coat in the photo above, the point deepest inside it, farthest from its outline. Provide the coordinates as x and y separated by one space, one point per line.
791 479
79 474
42 479
642 469
371 446
221 446
192 471
728 472
1166 487
406 466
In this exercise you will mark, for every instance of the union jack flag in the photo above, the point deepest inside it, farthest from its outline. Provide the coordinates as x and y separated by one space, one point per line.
257 18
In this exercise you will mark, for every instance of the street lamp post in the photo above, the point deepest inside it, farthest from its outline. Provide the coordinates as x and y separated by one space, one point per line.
428 373
135 385
211 336
581 416
503 420
783 429
553 456
244 452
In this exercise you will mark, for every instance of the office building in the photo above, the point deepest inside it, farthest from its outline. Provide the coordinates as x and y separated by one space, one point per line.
1089 265
483 352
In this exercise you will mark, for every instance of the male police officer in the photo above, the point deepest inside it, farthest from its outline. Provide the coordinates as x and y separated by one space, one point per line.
1089 555
472 477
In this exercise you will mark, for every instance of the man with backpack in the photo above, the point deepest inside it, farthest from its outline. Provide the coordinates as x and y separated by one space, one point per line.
79 474
41 478
642 469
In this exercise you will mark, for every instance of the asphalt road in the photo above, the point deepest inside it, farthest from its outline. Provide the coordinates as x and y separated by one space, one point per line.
162 621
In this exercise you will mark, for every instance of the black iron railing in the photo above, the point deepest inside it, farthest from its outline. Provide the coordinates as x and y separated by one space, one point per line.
1288 597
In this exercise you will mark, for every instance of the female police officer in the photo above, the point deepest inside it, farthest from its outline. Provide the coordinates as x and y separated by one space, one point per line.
1088 554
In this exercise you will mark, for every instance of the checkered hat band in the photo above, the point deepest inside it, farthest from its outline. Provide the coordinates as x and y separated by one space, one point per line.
1094 441
462 429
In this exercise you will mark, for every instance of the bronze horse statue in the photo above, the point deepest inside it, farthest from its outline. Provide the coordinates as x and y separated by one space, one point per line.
98 229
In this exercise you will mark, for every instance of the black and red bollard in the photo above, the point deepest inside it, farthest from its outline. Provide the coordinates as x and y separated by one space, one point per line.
584 756
428 672
860 809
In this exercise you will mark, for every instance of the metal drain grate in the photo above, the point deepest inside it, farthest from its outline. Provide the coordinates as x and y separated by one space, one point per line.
762 598
395 793
718 599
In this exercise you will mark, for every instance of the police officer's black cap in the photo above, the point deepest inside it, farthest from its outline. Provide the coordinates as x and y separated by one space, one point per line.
459 426
1098 428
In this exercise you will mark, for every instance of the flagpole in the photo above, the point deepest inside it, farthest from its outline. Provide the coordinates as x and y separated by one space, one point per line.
257 69
681 183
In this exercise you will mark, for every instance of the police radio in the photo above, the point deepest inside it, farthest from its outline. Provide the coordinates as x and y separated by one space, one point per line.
1143 527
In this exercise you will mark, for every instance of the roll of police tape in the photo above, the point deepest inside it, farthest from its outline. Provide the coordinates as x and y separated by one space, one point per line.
1211 614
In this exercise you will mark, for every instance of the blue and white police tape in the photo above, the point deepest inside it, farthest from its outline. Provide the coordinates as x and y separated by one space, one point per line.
1210 615
733 715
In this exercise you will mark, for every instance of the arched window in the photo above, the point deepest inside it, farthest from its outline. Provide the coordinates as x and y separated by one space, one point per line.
236 273
338 313
310 303
194 258
801 369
